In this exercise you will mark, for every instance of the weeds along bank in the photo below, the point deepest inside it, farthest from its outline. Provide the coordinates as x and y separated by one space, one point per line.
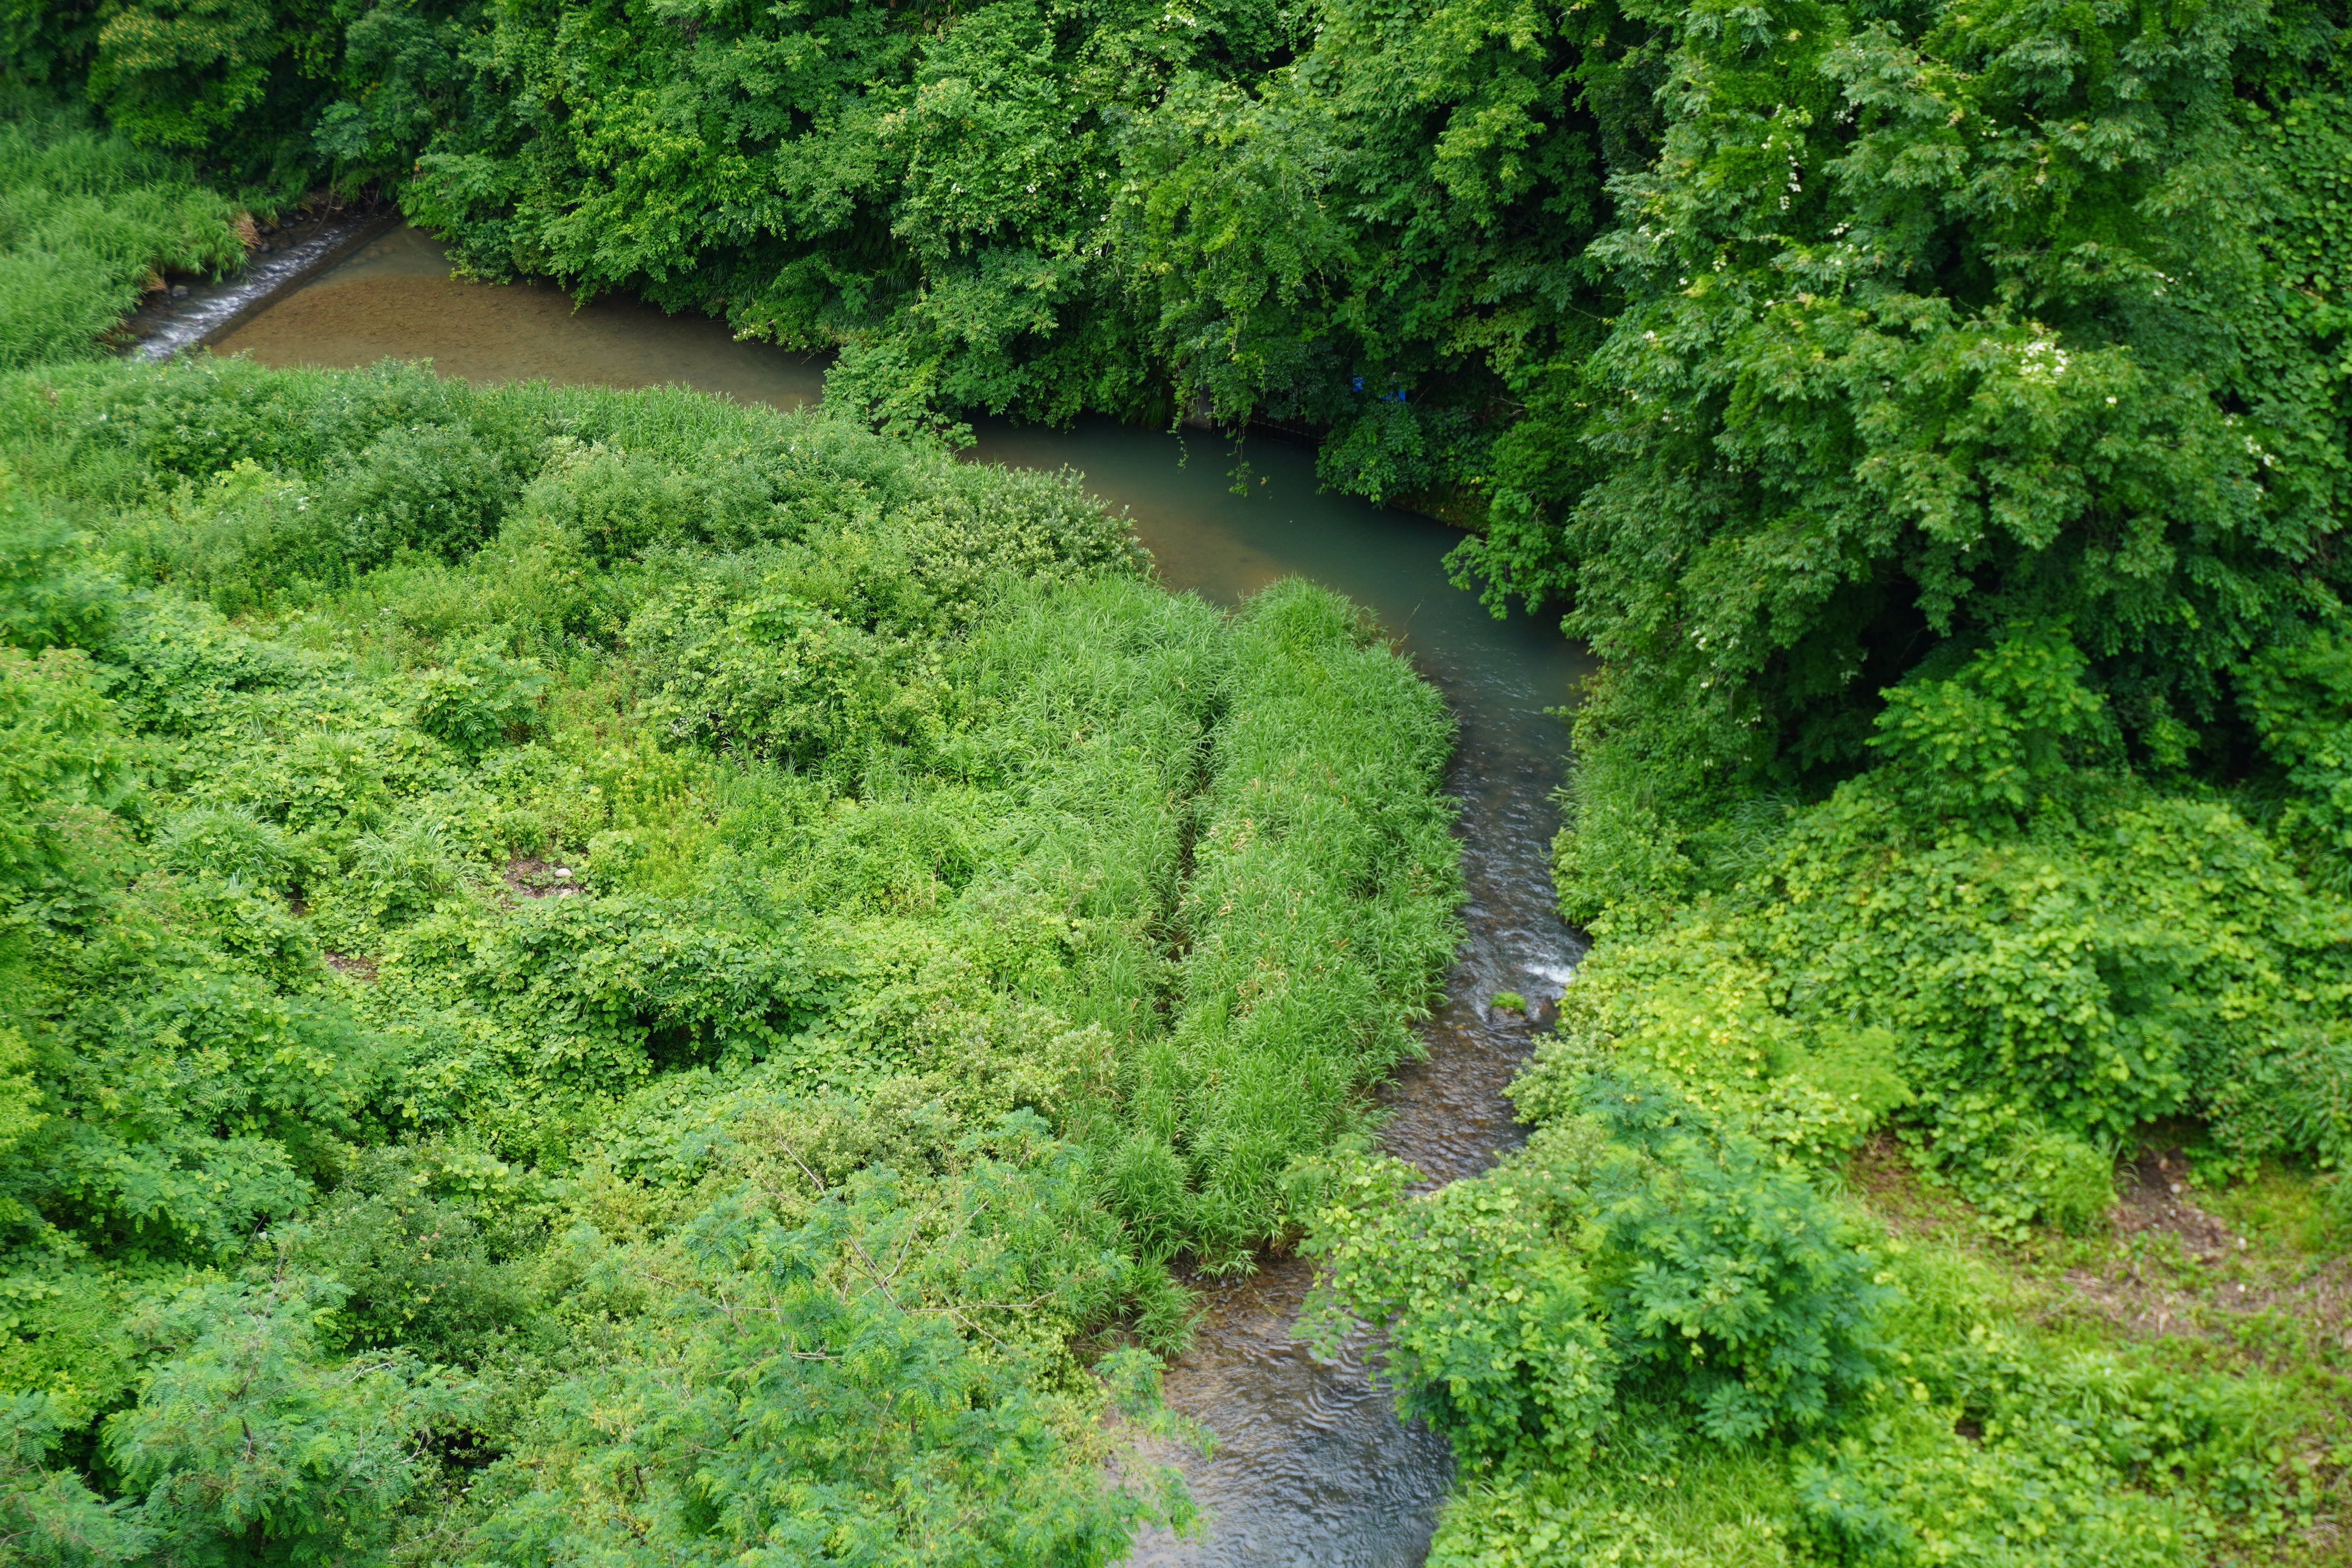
1948 1171
605 975
88 219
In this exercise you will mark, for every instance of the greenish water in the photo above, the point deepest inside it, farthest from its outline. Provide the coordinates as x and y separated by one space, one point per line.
1311 1466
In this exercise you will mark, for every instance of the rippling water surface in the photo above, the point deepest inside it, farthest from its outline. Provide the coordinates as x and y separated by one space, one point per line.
1310 1466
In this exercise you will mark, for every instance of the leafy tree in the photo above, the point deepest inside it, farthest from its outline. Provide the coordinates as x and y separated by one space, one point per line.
51 1517
1384 235
1929 333
249 1446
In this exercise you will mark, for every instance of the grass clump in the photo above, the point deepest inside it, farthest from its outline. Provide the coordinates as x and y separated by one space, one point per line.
87 221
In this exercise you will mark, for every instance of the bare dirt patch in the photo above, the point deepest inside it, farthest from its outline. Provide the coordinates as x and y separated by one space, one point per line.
360 969
2166 1268
528 876
2154 1199
2177 1269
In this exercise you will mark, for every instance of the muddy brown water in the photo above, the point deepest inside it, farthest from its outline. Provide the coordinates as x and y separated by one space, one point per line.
1310 1467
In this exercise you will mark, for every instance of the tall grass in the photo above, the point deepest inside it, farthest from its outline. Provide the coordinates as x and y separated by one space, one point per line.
86 219
1320 912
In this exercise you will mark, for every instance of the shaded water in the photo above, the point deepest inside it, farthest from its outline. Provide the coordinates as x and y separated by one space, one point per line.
1311 1466
394 298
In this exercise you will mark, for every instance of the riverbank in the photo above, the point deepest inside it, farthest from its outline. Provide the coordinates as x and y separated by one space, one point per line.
907 830
1837 986
1293 1432
93 224
394 293
173 317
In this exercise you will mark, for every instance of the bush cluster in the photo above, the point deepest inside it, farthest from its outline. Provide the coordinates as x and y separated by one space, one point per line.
614 974
1652 1338
2001 948
2050 951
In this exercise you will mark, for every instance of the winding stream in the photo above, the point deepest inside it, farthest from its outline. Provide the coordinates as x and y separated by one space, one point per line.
1311 1466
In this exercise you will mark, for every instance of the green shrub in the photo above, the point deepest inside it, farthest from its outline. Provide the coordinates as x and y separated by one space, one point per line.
776 677
1896 1495
247 1442
1494 1328
1694 1015
815 1310
432 1264
1996 735
2052 953
248 539
440 489
1733 1286
479 699
2293 697
1637 1265
49 596
618 504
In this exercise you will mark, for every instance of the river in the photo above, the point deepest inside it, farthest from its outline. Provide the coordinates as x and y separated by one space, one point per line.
1310 1466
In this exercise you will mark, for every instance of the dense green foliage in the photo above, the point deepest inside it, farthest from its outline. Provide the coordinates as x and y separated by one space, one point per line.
650 991
87 220
2021 960
1937 416
1606 1324
2052 953
1935 326
1776 349
1366 216
1637 1257
1657 1293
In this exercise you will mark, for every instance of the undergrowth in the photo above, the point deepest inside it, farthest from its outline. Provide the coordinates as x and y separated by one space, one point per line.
1947 1170
611 974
